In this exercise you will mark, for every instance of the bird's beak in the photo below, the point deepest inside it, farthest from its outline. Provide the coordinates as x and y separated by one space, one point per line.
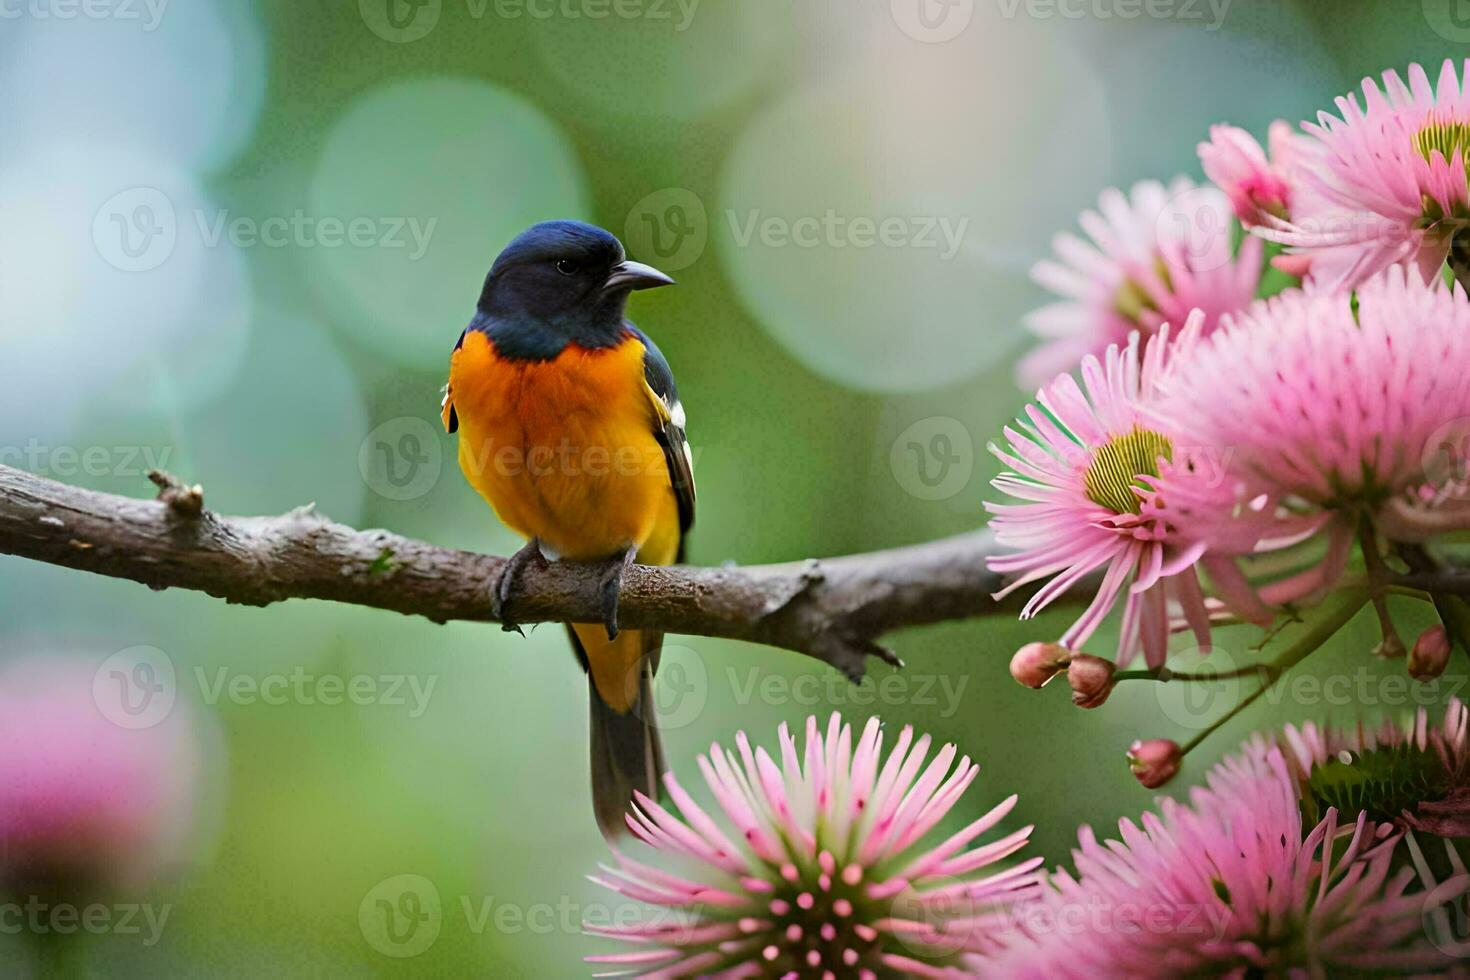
635 275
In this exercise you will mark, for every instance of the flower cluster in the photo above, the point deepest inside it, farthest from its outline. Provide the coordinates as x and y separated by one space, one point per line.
1256 874
1262 453
1233 883
1214 443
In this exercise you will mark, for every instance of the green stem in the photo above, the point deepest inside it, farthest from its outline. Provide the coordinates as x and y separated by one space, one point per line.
1335 613
1454 612
1165 674
1378 582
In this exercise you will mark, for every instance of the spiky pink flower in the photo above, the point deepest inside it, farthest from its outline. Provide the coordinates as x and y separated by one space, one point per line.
1153 256
1256 185
1230 884
1388 180
1320 401
817 864
87 807
1085 463
1413 775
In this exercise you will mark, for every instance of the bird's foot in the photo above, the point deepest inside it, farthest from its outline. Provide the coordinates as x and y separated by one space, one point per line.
608 588
505 584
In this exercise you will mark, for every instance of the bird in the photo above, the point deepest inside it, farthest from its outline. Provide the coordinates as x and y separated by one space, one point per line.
570 426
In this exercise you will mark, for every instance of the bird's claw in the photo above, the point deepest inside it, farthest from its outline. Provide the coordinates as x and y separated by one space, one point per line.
608 588
506 582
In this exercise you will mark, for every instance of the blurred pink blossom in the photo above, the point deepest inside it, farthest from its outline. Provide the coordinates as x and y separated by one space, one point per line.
1152 256
87 806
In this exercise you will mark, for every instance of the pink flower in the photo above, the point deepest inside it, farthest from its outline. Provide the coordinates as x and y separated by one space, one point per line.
1256 186
1328 405
817 864
1230 884
1085 463
1414 775
1153 257
87 807
1387 180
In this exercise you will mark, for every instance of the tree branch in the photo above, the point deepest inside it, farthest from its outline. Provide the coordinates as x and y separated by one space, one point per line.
832 609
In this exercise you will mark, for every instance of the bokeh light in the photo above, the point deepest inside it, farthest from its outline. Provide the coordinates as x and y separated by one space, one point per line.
106 281
301 418
185 81
666 59
447 171
884 252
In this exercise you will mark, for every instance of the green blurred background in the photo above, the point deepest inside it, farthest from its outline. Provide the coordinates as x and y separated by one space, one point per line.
209 261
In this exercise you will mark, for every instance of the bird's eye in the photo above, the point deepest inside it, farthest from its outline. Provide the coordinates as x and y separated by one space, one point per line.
567 267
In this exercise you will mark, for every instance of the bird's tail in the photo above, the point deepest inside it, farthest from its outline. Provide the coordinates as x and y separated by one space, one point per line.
626 754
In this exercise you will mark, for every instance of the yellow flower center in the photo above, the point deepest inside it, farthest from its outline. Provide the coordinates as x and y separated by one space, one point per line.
1444 135
1117 466
1132 299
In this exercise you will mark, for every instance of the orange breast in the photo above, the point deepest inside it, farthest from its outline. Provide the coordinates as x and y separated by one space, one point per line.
564 449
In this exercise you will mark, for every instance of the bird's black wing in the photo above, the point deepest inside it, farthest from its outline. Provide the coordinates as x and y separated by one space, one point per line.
670 430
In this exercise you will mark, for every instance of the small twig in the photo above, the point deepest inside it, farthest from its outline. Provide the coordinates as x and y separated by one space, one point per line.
187 502
1447 581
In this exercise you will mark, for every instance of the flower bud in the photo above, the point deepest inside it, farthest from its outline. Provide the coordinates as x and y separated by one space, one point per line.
1036 663
1431 654
1154 762
1091 679
1235 162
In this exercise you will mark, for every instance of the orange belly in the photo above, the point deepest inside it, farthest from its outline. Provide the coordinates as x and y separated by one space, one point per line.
564 449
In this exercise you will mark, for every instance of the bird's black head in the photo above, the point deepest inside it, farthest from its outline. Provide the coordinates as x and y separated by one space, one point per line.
560 282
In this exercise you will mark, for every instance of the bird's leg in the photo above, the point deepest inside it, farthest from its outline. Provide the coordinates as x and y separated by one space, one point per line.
612 582
505 584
